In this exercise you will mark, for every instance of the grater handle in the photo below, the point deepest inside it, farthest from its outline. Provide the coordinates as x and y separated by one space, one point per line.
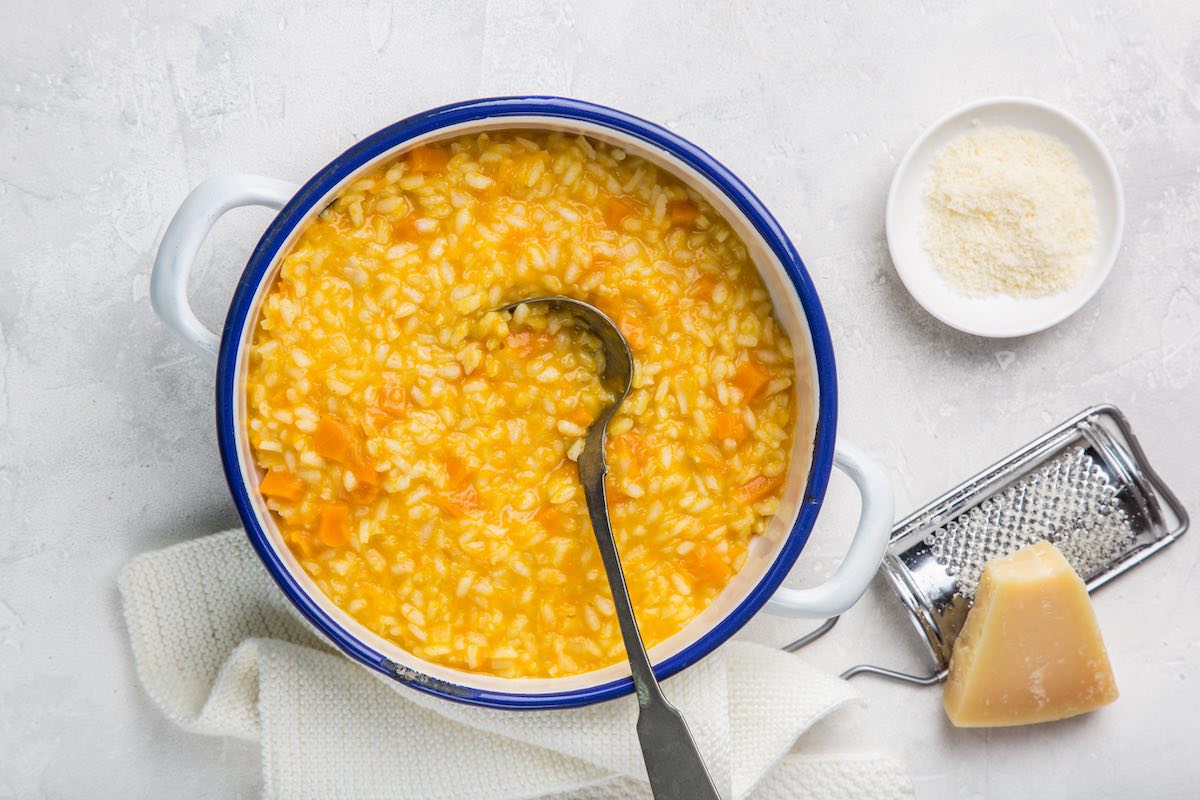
866 669
895 675
865 553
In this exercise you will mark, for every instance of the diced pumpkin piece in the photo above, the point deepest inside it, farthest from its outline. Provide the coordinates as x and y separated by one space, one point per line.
333 439
551 519
457 471
428 158
730 426
617 209
708 566
683 213
702 287
580 416
364 494
283 485
393 396
634 330
757 488
628 319
405 229
364 471
751 379
462 502
303 540
633 447
333 524
365 474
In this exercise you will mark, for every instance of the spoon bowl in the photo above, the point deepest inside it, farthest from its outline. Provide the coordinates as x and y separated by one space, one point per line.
618 357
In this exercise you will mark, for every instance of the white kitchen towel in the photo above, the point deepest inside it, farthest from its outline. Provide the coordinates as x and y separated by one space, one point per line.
221 652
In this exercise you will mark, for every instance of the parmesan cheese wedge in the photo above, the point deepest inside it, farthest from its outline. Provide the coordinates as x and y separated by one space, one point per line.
1030 650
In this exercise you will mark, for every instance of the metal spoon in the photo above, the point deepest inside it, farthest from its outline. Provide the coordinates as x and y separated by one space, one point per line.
673 763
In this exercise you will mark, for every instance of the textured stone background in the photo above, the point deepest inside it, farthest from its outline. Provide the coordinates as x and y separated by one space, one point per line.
110 112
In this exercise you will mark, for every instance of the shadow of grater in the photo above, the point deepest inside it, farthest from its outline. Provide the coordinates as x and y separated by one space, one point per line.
1084 486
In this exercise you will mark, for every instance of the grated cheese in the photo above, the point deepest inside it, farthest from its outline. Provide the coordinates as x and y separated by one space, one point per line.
1008 211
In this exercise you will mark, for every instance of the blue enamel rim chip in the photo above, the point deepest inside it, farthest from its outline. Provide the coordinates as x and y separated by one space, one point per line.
550 108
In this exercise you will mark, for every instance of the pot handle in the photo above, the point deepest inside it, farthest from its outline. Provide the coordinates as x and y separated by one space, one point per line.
182 240
865 553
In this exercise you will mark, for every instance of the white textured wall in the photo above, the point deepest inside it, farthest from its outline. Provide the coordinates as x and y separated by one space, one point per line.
110 112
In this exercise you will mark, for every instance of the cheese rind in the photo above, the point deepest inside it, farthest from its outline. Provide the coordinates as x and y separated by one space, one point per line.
1030 650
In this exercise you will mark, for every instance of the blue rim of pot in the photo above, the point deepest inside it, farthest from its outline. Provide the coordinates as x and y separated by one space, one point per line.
393 137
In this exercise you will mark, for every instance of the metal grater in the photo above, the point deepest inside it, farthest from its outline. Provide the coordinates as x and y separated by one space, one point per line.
1085 486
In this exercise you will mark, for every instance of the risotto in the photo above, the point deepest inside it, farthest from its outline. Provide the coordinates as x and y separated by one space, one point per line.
418 448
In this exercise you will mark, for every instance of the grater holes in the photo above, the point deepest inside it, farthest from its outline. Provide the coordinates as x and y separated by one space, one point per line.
1070 502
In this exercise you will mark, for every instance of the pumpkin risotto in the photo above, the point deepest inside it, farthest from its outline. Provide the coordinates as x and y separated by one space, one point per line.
418 449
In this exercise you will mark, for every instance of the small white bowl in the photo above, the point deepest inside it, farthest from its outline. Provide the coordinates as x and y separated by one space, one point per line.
1000 316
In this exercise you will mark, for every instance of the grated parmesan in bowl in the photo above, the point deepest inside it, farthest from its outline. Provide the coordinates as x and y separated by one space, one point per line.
1008 211
1005 217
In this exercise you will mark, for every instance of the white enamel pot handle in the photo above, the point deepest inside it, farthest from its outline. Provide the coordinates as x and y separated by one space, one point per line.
187 231
865 553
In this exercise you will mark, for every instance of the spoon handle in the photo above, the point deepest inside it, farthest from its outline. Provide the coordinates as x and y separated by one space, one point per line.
674 766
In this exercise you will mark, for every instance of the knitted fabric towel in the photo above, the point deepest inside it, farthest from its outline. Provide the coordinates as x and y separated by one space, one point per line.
221 652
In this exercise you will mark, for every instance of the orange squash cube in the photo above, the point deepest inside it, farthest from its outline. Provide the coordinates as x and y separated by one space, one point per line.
333 524
283 485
